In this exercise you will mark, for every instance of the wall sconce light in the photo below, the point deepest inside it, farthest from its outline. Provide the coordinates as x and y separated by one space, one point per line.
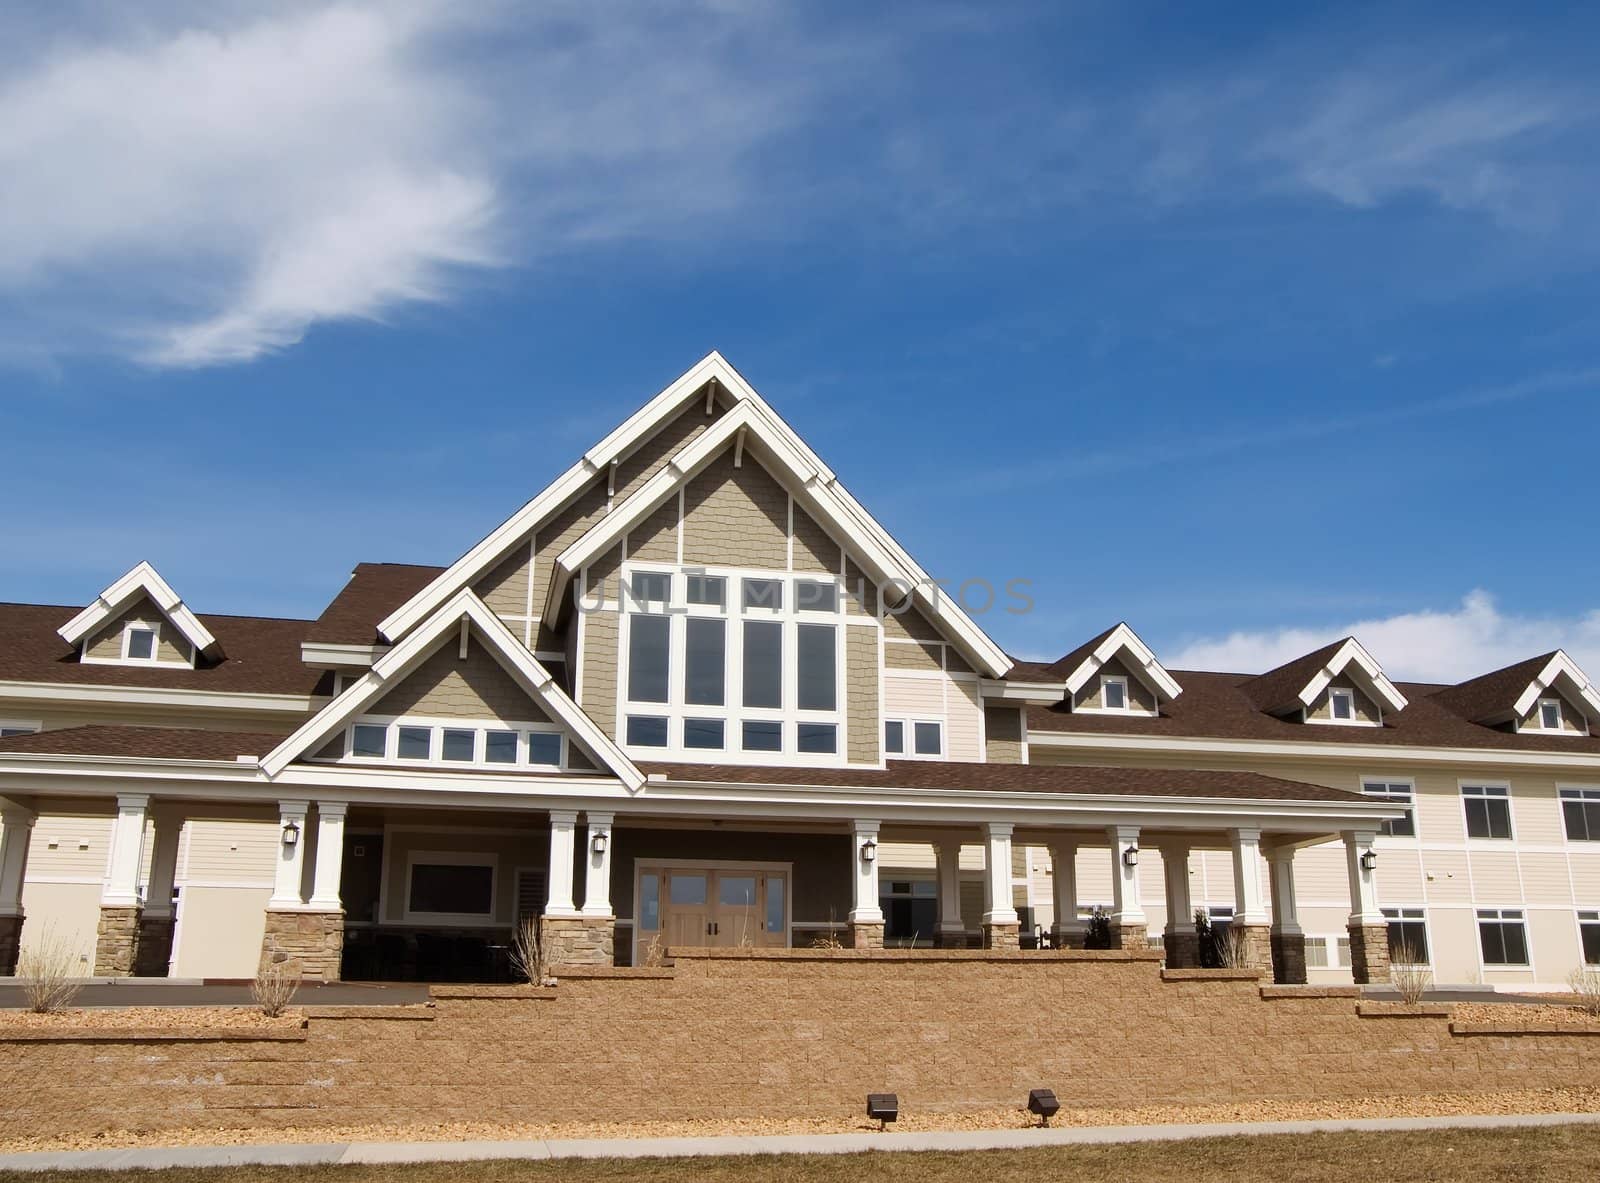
291 833
598 843
869 851
1130 856
1369 860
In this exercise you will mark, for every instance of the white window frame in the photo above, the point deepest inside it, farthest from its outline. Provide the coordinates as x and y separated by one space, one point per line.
732 713
1538 717
1095 704
1586 916
129 627
1502 916
909 737
1489 791
438 725
655 866
1407 783
1418 913
1587 794
1115 680
454 858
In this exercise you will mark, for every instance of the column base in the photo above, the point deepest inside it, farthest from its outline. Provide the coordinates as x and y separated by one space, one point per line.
866 934
1254 947
578 940
951 938
1182 948
1002 936
10 942
116 943
1369 953
313 940
1129 936
1289 958
154 951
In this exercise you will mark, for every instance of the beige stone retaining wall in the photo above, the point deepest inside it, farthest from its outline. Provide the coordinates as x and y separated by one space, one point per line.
783 1033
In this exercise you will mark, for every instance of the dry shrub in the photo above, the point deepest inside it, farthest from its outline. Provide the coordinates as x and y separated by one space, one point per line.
1231 946
528 952
827 940
46 971
655 953
276 984
1407 973
1585 984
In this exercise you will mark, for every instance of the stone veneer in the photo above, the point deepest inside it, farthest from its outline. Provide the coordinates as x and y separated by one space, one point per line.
1369 953
1131 937
1182 948
1255 946
866 934
1289 958
10 939
315 940
116 942
1003 937
577 940
153 952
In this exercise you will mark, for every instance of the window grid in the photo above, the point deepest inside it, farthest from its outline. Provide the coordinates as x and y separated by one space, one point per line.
1589 935
1580 813
1488 810
1408 928
457 742
913 739
1503 936
1394 793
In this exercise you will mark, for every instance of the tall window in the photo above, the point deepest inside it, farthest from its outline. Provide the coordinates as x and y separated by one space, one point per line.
1503 934
1342 705
1114 694
1488 810
1580 810
733 663
1550 714
1589 936
1393 793
1408 936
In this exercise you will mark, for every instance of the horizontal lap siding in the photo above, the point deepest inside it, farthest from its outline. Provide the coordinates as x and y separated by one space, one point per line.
170 643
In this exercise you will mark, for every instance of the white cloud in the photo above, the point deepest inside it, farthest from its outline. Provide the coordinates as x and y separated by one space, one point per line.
1442 646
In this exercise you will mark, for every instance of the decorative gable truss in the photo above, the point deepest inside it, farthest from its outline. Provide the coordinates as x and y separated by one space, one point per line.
140 620
463 619
1118 675
1560 698
750 422
1340 684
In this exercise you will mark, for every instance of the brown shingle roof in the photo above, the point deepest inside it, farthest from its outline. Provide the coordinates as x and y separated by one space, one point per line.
1062 668
1493 694
1017 778
152 743
374 590
1279 690
262 655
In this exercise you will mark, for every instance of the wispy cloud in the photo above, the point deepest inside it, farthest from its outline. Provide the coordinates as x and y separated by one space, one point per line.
1428 645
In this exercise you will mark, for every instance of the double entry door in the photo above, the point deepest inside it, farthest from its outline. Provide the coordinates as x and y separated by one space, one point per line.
724 907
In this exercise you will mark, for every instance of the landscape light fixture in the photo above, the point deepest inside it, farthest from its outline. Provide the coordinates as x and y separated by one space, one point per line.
883 1108
1130 856
291 833
869 851
1369 860
598 843
1043 1103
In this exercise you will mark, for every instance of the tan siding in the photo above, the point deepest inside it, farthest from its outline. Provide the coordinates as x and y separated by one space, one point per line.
1536 811
813 549
561 532
1586 879
232 852
170 644
655 540
221 933
860 593
923 697
600 638
1089 694
651 456
65 912
1003 731
1572 719
736 517
909 625
1494 877
446 686
1320 875
1544 879
70 846
505 589
863 726
913 655
1451 882
953 661
963 720
602 577
1366 709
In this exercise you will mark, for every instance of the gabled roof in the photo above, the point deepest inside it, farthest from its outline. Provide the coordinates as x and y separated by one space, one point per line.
463 607
142 743
142 581
1510 693
1295 685
857 528
1120 642
372 592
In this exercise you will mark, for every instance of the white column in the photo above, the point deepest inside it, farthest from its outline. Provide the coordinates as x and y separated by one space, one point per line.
291 863
1064 884
127 852
16 828
328 871
1180 903
597 876
1125 906
949 859
1285 908
163 863
558 895
998 908
1363 883
1249 902
864 853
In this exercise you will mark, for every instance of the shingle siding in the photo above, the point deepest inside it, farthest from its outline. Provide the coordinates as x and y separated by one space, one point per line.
448 687
863 726
170 644
736 517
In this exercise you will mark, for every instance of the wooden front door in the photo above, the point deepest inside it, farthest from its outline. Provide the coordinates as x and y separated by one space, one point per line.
726 907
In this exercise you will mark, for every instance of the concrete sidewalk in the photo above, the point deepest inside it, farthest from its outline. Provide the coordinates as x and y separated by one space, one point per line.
314 1154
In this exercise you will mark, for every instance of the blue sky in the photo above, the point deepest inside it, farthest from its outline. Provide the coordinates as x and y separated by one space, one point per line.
1248 324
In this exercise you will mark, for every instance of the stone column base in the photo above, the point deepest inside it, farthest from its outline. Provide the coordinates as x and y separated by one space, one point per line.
1068 936
951 938
116 943
866 934
1369 953
1182 948
578 940
1129 936
10 941
1289 958
1254 945
155 946
1002 936
313 940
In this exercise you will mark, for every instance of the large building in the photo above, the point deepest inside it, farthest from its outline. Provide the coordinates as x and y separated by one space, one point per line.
693 693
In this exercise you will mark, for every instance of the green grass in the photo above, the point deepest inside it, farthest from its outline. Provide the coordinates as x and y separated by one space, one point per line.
1551 1155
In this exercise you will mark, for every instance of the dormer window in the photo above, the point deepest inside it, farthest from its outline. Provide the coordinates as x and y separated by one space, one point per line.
1114 694
1342 705
1550 714
139 643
